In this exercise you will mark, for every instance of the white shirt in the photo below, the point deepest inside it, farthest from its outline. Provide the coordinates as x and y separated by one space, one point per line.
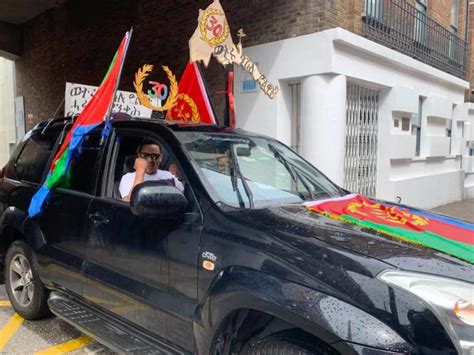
127 180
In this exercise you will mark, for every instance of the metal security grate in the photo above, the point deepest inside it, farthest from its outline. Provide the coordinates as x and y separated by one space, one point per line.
360 163
295 116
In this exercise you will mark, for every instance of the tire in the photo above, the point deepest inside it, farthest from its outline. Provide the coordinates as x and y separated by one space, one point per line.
292 341
25 290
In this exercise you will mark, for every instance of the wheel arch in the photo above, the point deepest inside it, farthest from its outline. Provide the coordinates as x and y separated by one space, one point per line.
324 317
15 225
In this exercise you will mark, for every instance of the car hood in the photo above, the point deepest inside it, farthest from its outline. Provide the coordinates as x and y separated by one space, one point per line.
303 225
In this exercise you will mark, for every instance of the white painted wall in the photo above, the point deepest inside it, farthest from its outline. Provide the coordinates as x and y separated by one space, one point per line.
7 109
468 161
323 63
323 103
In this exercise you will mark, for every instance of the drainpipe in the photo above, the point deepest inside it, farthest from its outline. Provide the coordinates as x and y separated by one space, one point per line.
467 47
467 20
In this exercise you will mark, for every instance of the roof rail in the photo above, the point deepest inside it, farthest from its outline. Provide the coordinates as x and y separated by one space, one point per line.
45 124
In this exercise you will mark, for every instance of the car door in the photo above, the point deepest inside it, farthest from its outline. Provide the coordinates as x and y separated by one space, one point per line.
143 270
62 224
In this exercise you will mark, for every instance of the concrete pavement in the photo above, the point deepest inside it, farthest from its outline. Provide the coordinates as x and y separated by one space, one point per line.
462 210
45 336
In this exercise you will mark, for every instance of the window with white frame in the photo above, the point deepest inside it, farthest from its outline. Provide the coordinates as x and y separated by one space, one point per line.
416 125
420 21
401 123
454 30
374 9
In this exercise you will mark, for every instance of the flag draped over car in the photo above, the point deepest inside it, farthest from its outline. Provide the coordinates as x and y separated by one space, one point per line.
193 104
94 113
430 230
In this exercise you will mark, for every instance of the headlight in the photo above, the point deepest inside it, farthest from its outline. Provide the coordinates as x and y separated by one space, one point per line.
451 300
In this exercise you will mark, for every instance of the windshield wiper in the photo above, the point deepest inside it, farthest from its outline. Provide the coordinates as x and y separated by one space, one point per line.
291 170
234 174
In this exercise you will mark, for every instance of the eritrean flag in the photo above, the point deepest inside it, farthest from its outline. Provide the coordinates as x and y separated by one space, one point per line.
430 230
193 104
94 114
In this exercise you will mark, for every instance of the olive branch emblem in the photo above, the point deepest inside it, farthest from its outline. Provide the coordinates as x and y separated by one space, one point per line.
203 27
141 75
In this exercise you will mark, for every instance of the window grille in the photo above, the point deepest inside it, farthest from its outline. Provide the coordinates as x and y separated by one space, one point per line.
295 116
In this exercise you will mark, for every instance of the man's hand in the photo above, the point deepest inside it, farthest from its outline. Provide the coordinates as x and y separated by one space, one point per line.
140 168
140 165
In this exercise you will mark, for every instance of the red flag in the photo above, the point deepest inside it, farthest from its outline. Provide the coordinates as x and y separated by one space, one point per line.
95 112
193 104
96 109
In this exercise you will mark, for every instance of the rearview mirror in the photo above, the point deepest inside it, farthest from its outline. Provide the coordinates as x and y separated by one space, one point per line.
243 151
156 199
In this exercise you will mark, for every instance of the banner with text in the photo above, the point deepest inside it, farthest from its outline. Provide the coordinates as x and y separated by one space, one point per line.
77 96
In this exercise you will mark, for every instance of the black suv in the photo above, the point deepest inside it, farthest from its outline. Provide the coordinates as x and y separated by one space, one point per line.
234 264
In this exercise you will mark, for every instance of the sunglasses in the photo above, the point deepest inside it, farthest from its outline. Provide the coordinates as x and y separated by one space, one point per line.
152 156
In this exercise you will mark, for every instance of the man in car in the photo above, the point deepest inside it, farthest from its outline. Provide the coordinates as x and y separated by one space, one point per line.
146 168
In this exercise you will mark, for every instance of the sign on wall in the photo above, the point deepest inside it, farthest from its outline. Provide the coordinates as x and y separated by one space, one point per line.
247 82
77 96
19 117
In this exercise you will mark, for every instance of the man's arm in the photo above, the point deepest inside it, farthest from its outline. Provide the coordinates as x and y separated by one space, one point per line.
140 167
178 184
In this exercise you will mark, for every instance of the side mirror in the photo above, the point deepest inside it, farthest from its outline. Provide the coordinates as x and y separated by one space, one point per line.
157 199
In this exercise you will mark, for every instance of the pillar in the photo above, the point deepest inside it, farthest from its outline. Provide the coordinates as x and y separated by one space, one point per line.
323 121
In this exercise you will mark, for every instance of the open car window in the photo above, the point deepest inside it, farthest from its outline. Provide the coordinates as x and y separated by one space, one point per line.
125 153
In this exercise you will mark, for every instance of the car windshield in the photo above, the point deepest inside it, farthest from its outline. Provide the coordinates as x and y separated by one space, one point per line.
251 172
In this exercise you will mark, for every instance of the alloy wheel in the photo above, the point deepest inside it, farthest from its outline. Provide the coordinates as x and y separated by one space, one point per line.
21 277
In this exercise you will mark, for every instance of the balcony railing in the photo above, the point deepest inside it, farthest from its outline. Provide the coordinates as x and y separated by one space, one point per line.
404 28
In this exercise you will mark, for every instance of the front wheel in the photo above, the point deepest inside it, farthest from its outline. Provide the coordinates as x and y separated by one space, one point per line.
25 290
283 343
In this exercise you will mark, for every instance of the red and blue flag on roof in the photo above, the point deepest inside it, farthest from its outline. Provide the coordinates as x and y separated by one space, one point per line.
95 112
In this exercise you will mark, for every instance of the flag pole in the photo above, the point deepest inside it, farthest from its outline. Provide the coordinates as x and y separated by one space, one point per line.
228 68
229 113
107 127
207 92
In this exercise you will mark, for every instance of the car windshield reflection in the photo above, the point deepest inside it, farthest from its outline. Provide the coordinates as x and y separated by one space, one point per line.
254 172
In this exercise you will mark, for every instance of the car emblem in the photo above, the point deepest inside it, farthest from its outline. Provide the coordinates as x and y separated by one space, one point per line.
208 255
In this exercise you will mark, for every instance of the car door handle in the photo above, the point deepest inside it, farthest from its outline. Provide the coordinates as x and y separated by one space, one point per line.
98 218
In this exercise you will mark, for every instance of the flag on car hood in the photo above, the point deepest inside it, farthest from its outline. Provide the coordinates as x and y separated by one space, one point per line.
93 115
193 104
430 230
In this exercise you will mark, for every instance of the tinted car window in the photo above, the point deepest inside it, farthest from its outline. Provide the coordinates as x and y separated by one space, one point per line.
82 174
33 158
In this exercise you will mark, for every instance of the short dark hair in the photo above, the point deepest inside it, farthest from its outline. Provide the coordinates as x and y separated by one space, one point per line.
147 141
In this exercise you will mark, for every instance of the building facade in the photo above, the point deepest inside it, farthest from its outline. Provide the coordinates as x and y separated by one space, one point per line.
372 91
8 132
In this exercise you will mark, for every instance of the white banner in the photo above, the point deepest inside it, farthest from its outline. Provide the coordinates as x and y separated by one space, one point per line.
78 95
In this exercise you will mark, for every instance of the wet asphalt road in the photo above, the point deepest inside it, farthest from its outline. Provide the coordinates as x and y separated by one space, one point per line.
46 336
